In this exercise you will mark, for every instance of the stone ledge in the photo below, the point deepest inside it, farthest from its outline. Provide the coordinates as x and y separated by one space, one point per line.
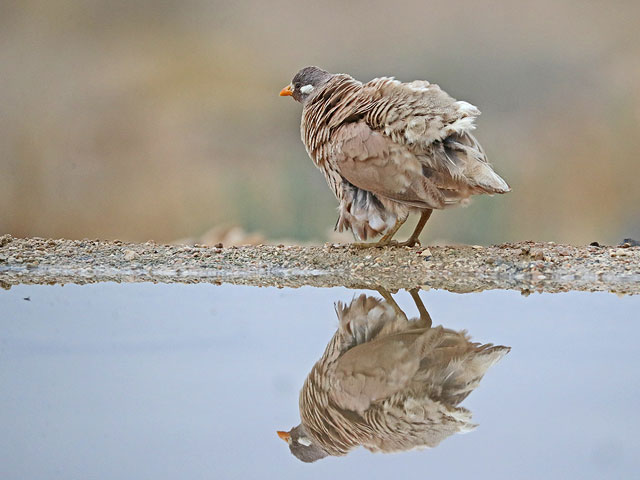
525 266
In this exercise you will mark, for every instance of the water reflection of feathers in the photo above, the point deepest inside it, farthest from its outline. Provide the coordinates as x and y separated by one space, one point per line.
387 382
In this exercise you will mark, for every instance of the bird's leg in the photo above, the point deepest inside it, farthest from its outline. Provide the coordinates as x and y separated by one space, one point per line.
413 239
424 315
389 299
386 238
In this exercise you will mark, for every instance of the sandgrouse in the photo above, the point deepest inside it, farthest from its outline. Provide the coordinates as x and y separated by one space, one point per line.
388 149
387 383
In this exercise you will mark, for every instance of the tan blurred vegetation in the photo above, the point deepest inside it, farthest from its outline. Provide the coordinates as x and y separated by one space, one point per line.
158 120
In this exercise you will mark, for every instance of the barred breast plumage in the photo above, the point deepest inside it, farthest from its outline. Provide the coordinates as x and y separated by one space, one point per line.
388 149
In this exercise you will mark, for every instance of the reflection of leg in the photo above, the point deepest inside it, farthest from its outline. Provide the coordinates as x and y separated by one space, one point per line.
386 239
389 299
424 315
413 239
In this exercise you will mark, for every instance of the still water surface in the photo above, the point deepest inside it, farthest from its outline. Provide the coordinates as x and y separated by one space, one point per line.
192 381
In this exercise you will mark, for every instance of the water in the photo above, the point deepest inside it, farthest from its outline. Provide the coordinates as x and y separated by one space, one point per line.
192 381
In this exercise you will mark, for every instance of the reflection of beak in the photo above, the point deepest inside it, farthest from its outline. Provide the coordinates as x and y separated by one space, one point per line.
286 92
284 435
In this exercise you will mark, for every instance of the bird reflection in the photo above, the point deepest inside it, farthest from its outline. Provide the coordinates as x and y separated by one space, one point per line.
388 383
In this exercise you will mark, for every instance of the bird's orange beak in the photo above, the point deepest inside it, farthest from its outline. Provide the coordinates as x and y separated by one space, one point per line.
284 435
286 92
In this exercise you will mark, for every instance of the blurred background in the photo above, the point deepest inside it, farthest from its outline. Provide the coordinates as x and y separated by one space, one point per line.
161 120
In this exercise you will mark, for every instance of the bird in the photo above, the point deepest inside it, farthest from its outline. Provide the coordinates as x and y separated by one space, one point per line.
387 383
388 149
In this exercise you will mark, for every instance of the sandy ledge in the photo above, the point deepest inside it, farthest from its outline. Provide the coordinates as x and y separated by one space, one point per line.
525 266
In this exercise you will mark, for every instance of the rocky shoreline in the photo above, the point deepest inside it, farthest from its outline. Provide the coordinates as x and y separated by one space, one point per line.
525 266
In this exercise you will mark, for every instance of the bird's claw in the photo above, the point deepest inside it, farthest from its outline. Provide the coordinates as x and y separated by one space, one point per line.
412 242
369 245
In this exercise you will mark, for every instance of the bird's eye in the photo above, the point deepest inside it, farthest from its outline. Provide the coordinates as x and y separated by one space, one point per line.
304 441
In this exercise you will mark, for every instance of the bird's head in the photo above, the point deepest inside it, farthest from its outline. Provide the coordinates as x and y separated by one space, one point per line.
301 444
305 83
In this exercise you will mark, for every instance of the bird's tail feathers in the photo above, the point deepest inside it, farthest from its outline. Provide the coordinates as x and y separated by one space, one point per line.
363 318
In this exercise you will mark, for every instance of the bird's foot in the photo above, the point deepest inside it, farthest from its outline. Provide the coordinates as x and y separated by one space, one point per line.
411 242
371 244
